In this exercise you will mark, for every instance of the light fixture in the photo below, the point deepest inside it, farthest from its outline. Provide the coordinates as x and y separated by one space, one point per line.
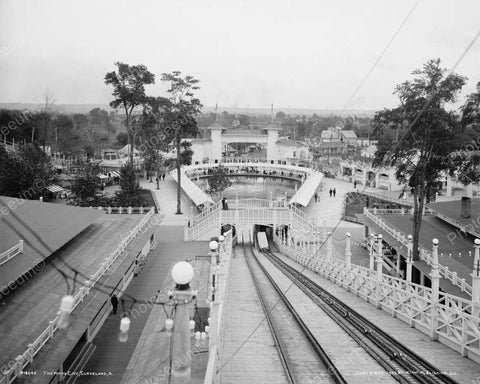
182 273
66 306
168 324
192 324
124 327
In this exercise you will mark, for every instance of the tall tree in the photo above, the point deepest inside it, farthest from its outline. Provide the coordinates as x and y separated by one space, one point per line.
25 173
179 117
467 158
218 181
87 185
129 92
419 134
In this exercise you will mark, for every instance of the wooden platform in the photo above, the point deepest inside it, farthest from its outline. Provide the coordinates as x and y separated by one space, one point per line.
26 312
44 227
445 359
249 354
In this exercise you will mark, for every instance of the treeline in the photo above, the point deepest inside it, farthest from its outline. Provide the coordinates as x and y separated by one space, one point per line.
69 134
296 126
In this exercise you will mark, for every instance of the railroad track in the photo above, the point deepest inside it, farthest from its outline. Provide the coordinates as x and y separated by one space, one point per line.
403 364
302 357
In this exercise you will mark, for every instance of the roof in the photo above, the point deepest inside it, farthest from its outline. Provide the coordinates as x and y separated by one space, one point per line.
44 227
331 144
349 134
291 143
453 210
243 131
307 189
329 134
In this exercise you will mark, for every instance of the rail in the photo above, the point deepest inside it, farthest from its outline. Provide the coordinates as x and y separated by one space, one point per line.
452 320
125 210
217 314
15 368
327 362
424 254
11 253
376 342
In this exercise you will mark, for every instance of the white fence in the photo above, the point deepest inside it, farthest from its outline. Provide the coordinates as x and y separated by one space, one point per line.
252 211
126 210
424 253
448 319
217 315
11 253
21 361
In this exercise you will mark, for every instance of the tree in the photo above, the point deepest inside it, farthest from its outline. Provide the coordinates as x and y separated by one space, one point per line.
122 138
419 134
87 185
129 92
130 193
179 115
218 181
468 158
25 173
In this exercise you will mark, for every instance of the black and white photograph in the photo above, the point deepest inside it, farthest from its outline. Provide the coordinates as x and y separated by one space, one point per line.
239 192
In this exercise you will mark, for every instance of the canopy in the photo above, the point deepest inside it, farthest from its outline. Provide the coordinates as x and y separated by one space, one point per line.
55 188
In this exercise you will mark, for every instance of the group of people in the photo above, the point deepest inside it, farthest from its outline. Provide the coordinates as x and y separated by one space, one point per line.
332 192
160 177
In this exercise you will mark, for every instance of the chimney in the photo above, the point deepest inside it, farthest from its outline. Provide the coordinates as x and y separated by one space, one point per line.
466 205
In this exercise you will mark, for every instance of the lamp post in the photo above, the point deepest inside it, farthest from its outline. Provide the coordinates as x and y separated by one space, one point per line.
409 258
182 274
213 245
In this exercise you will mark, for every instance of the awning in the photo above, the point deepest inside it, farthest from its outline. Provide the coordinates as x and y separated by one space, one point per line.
114 174
55 188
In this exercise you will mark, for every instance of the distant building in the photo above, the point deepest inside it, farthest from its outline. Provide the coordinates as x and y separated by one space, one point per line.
335 135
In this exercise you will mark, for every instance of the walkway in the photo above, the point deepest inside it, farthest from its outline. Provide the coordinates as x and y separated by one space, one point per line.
307 190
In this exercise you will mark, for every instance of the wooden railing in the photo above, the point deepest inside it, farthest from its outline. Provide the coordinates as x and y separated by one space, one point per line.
15 367
449 319
11 253
424 253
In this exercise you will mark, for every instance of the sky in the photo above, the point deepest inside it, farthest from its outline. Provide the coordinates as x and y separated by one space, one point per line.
294 54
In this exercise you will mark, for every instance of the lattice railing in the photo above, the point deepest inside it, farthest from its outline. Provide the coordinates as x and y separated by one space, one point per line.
424 254
451 318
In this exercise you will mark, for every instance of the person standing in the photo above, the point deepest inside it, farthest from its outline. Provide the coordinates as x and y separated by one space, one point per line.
114 301
163 177
355 185
334 192
330 192
316 197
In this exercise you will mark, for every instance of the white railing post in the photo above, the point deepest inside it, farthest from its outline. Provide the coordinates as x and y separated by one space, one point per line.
476 280
329 245
380 257
435 278
409 258
20 246
348 253
372 252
